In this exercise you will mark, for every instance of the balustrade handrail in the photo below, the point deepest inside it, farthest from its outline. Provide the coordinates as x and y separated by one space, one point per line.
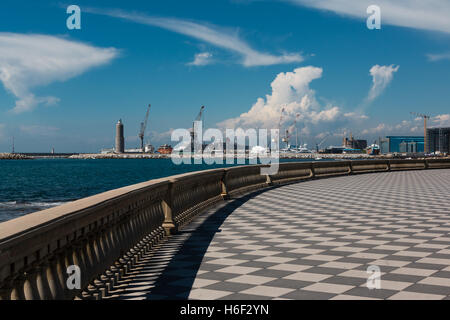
104 234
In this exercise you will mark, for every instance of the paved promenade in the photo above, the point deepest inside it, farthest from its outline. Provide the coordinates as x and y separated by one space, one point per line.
310 240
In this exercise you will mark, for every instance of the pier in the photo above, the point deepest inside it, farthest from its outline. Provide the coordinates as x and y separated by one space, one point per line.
308 232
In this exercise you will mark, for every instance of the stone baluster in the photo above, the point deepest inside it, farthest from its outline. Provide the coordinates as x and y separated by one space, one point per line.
30 285
42 281
17 293
56 290
167 203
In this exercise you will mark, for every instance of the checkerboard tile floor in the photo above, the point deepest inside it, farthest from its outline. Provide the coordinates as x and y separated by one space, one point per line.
310 240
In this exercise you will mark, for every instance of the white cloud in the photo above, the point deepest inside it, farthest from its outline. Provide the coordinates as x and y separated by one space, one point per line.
291 91
438 56
214 35
201 59
418 14
31 60
381 77
442 120
407 127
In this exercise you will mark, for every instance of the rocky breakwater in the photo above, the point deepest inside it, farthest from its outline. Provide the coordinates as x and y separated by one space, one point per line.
13 156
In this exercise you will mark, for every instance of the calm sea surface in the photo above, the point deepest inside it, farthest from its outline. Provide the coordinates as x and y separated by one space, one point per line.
31 185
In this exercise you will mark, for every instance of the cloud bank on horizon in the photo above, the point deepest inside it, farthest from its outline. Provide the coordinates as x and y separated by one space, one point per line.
219 37
430 15
414 126
291 91
32 60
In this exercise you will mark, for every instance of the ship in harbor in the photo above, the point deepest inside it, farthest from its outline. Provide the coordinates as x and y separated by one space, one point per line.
165 149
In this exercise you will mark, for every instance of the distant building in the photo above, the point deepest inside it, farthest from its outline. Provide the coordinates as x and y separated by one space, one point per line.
402 144
438 140
351 143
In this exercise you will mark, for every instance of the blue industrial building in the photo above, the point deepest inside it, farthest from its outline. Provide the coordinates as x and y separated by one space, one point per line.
402 144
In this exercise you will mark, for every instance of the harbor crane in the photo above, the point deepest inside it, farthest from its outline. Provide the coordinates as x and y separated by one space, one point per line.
286 137
296 129
143 127
425 136
279 123
281 119
198 118
288 134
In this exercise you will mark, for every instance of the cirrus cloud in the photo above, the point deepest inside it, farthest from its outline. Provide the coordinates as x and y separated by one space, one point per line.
418 14
32 60
217 36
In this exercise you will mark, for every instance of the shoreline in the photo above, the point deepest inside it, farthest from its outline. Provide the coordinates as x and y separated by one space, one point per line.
306 156
311 156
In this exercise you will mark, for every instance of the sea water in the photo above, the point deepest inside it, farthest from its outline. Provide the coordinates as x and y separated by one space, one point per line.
31 185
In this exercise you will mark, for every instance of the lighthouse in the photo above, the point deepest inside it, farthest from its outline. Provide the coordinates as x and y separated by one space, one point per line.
120 143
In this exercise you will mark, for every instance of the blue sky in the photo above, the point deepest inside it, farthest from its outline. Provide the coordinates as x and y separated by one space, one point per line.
131 53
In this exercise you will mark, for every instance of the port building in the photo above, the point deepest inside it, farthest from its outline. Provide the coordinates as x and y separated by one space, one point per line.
402 144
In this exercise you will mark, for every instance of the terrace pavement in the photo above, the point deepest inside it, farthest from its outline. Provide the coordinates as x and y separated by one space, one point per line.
309 240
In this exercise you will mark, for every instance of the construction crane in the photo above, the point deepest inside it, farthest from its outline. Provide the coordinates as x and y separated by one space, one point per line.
143 127
323 140
425 119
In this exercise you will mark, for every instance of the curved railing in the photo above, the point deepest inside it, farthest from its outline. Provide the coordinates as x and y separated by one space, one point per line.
104 235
